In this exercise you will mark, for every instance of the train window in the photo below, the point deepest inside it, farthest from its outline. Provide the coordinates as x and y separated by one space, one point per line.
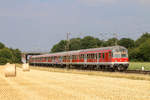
109 53
103 55
117 55
99 55
87 56
82 56
75 57
68 57
96 56
91 57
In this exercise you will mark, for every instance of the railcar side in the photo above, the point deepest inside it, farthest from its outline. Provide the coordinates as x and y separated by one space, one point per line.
115 58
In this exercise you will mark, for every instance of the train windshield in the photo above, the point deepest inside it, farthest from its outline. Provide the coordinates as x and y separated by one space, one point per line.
117 55
120 53
124 53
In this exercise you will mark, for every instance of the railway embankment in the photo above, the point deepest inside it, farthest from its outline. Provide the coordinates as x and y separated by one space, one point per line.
133 76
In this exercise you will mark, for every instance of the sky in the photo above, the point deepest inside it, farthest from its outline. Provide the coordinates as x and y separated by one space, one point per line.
36 25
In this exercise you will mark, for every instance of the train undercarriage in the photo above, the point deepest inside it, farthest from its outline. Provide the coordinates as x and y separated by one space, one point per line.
112 67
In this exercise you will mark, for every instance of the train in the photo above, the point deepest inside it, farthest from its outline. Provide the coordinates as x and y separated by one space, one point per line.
113 57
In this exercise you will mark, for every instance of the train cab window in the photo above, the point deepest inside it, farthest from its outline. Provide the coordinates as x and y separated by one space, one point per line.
117 55
123 55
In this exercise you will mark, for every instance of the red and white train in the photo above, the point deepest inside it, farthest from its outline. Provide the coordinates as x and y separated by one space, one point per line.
115 57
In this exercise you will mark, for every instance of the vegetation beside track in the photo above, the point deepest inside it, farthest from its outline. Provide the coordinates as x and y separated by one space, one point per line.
138 66
95 73
9 55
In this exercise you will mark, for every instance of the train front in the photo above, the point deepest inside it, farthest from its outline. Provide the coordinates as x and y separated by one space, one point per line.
120 58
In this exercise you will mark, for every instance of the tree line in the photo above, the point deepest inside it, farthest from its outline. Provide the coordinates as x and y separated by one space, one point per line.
139 50
9 55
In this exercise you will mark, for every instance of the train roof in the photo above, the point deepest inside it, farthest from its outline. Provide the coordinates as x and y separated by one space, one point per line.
79 51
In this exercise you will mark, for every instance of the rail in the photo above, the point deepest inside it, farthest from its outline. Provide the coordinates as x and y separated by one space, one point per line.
137 71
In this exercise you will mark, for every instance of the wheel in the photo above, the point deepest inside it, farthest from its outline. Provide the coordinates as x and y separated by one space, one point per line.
120 68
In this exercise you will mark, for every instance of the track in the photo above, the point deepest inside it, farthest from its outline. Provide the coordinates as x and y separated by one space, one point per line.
137 72
107 70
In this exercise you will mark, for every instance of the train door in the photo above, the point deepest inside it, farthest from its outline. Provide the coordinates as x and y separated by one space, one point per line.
103 57
99 57
110 56
85 58
106 57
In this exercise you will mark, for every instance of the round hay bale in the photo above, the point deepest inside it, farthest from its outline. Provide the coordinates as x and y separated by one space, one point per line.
25 67
10 70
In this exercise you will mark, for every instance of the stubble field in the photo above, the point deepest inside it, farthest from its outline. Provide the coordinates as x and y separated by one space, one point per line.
50 85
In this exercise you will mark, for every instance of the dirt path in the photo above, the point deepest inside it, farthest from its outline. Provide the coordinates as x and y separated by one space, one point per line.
42 85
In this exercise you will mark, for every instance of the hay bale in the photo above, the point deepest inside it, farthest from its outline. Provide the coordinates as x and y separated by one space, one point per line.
25 67
10 70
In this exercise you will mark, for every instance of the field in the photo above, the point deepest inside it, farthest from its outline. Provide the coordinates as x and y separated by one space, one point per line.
61 84
138 65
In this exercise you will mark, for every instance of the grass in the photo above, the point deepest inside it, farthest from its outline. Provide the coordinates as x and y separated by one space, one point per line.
138 65
95 73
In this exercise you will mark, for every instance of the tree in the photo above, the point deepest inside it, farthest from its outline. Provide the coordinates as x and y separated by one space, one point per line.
6 55
9 55
2 45
3 61
142 39
135 55
89 42
16 55
61 46
75 44
144 49
126 42
111 42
